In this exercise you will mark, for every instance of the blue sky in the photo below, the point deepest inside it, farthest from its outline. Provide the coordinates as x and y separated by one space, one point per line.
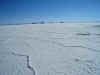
27 11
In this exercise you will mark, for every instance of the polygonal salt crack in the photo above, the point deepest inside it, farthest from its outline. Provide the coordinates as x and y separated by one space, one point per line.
63 45
28 62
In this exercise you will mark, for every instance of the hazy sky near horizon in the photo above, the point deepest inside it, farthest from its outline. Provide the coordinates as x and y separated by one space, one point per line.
27 11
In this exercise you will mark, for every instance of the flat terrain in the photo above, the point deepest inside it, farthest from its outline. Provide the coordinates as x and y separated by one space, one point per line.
50 49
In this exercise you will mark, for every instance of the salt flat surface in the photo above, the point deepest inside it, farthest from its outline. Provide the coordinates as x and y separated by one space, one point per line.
50 49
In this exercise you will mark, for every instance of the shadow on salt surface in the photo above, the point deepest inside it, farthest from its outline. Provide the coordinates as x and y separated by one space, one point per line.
97 26
13 65
84 34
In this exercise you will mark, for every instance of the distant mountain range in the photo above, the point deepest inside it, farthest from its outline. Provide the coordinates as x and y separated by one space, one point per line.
44 22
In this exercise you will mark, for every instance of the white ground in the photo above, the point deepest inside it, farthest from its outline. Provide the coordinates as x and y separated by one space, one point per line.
53 49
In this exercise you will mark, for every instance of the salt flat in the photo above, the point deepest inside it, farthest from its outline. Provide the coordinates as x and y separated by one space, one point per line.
50 49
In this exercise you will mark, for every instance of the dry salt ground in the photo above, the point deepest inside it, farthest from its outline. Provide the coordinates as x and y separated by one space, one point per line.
50 49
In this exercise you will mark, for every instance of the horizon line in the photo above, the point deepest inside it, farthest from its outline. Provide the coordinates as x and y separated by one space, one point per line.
38 22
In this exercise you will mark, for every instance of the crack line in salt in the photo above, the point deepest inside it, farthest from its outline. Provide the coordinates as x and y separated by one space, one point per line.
61 44
28 61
